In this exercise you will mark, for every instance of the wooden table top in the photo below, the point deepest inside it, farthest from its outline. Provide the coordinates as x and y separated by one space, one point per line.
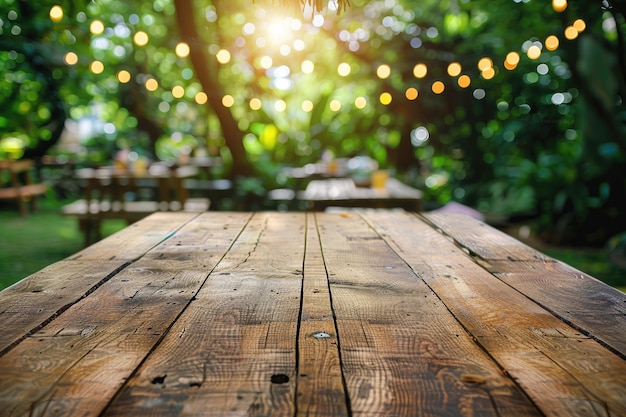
370 313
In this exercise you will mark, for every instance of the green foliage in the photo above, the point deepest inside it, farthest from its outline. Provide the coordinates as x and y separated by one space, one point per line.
545 138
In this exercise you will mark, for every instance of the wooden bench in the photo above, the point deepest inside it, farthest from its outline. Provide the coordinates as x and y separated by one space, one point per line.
20 186
110 195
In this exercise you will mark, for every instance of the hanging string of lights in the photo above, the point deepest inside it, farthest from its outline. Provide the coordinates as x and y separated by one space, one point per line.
486 67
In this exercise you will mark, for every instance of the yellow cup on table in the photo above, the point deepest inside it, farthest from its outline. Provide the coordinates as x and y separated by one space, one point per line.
379 178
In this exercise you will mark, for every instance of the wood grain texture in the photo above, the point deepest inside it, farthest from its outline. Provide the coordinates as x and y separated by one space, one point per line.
577 374
29 304
403 353
320 389
369 313
233 351
568 293
76 363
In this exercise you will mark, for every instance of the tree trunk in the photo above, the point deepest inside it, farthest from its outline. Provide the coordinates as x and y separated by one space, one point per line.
208 79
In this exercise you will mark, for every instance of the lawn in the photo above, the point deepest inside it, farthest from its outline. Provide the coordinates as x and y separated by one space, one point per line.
29 244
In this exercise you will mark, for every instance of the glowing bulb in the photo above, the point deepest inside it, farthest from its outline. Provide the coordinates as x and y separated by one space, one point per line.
420 70
182 50
201 98
141 38
307 67
580 25
96 27
383 71
411 93
464 81
178 91
228 100
71 58
454 69
570 33
344 69
56 13
534 52
255 103
438 87
152 84
96 67
559 5
223 56
123 76
485 63
385 98
552 43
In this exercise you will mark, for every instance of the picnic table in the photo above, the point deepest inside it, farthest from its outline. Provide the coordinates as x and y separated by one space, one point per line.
343 192
368 313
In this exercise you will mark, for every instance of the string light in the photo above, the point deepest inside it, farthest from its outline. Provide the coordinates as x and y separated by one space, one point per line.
96 27
56 13
383 71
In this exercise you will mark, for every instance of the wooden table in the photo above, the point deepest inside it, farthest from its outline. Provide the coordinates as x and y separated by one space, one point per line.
375 313
342 192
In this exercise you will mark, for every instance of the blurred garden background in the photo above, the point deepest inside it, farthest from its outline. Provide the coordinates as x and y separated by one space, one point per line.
512 107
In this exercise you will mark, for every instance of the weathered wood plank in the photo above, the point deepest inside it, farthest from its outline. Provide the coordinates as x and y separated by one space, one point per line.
402 352
570 294
32 302
233 351
563 371
95 345
320 385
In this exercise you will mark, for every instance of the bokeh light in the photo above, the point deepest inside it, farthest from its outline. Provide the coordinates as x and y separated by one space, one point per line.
228 100
178 91
182 50
420 70
96 27
141 38
464 81
223 56
511 60
335 105
438 87
411 93
385 98
307 105
307 67
570 33
255 103
344 69
56 13
201 98
454 69
152 84
485 64
123 76
360 102
96 67
70 58
552 43
579 25
280 106
383 71
534 52
559 5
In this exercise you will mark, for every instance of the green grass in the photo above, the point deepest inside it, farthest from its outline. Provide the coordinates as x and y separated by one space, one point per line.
44 237
29 244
